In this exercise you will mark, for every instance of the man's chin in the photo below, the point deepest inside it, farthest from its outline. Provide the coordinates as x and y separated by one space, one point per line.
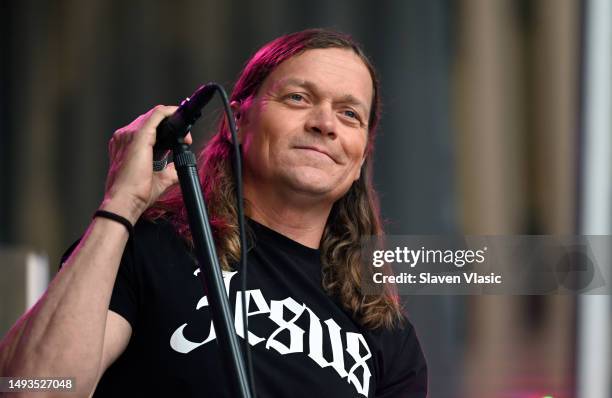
321 189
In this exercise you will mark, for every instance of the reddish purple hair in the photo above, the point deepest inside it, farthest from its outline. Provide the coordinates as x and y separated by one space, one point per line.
353 216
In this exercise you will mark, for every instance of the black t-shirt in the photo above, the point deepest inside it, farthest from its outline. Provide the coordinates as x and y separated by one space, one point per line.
303 343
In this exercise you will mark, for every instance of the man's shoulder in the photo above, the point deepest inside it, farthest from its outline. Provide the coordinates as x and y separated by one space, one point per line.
393 340
149 228
157 233
402 328
401 364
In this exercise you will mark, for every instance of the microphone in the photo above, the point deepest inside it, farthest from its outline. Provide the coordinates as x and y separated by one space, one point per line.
175 127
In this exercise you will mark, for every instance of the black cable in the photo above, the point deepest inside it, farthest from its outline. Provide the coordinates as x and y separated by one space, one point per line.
243 243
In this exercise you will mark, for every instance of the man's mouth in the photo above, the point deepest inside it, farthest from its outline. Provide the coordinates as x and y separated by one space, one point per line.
316 149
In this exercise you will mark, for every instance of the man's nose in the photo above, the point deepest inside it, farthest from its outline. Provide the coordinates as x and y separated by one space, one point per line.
321 120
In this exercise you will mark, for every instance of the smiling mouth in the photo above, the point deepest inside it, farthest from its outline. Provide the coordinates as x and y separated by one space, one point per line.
309 148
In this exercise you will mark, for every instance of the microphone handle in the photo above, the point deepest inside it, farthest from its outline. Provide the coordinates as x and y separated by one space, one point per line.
173 128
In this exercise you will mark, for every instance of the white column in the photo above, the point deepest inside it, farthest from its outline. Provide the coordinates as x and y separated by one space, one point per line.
596 212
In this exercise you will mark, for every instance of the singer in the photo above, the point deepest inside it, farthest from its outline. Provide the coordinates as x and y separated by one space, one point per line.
128 317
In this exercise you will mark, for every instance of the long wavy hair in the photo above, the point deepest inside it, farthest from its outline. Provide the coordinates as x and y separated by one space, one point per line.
354 216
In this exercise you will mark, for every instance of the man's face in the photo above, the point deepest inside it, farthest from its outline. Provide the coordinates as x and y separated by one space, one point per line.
305 132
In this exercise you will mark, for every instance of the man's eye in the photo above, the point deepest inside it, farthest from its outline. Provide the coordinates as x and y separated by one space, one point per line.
351 114
296 97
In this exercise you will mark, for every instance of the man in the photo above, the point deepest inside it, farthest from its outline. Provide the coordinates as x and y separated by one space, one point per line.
306 108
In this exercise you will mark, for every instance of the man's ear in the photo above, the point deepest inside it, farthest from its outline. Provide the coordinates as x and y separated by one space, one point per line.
235 105
237 111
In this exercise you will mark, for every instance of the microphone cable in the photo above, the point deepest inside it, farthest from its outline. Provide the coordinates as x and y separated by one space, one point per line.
237 171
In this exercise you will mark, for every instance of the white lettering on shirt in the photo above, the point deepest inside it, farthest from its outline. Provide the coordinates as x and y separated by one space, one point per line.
285 313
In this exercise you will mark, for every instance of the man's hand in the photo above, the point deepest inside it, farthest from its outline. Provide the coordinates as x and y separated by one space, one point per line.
131 184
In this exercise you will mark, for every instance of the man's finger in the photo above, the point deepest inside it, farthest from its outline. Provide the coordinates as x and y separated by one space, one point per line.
156 115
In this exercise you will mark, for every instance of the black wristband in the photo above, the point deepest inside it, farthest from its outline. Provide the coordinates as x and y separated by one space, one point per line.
116 217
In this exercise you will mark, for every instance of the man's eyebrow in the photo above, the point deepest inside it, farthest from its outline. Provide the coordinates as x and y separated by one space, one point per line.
294 81
345 99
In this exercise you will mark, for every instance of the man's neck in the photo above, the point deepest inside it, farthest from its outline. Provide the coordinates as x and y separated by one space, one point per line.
303 224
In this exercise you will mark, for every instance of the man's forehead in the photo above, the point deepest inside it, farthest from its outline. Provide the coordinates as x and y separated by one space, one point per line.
341 61
325 69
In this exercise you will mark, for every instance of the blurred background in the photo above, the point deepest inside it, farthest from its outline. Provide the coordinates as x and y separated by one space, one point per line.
496 121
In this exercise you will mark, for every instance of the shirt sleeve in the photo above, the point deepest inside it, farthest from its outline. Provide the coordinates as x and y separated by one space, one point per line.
403 370
124 298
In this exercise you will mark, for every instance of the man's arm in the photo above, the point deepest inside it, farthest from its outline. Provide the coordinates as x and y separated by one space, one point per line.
63 334
70 332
